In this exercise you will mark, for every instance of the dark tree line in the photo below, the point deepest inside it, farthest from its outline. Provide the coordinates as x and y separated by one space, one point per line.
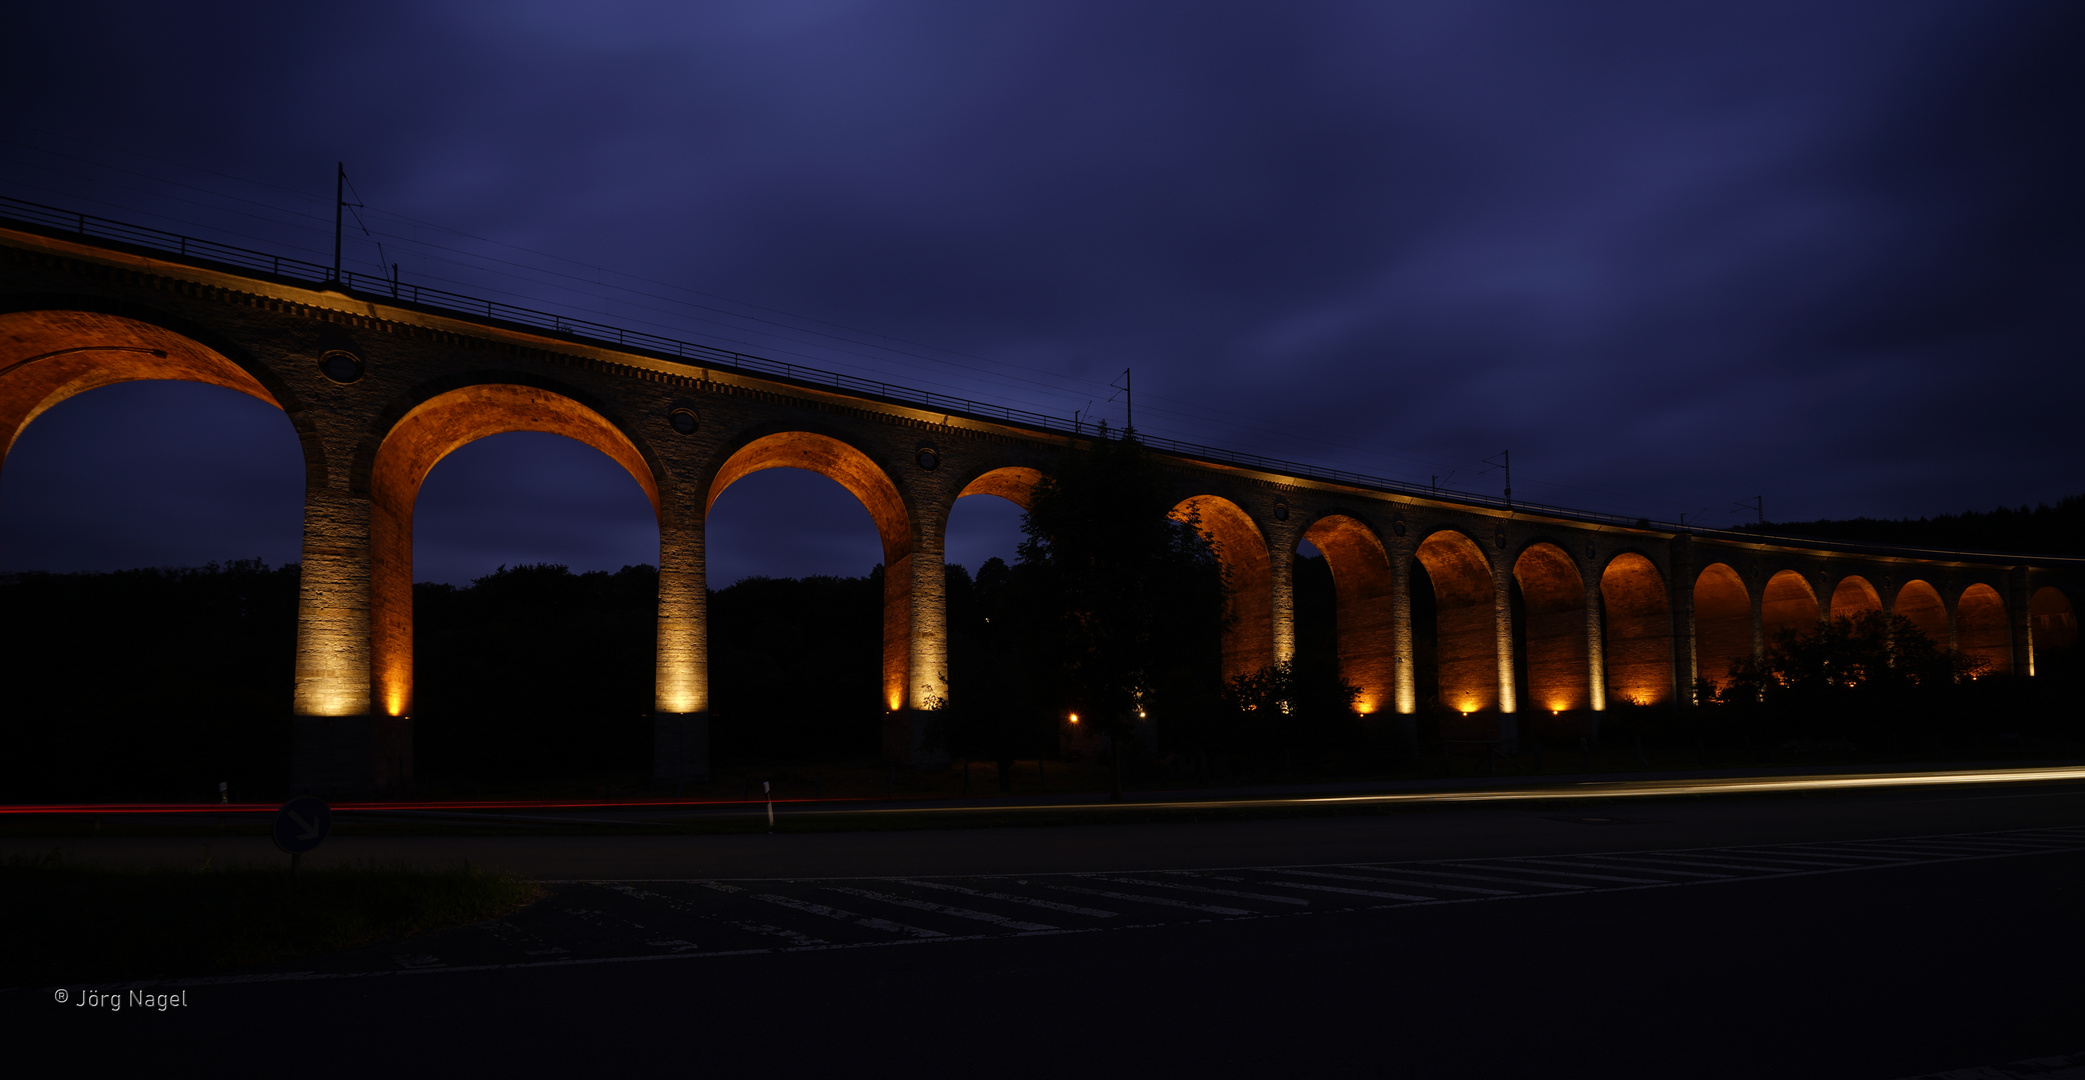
1875 683
147 684
2040 530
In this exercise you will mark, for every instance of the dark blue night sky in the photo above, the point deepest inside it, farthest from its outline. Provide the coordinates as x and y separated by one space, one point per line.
1671 256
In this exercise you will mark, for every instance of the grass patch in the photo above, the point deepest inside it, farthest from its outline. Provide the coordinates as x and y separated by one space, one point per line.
70 921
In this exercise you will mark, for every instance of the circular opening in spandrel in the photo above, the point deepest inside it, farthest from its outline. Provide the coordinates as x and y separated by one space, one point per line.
340 366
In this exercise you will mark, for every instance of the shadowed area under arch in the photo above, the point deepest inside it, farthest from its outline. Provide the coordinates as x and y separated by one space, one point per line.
2055 626
1466 646
1853 597
1363 619
851 469
1637 631
1982 630
413 446
1788 603
1920 602
1248 642
1722 623
1553 603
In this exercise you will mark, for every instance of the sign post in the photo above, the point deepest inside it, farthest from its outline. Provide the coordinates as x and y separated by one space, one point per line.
301 825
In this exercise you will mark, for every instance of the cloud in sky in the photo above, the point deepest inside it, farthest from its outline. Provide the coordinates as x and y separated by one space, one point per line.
1671 256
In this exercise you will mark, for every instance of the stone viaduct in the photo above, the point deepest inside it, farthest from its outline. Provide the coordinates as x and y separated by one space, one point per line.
1535 610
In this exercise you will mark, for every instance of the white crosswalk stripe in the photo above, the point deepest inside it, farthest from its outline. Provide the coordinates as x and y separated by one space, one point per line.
940 909
1561 873
1481 877
1577 861
849 917
1361 892
1029 901
1685 860
1202 889
1159 900
1396 881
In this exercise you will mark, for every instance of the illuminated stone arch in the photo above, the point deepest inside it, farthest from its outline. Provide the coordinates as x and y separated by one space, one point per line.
2055 625
50 355
1788 603
1363 618
1248 640
1920 602
1466 637
1554 623
409 449
1014 483
1637 631
1982 630
1722 622
851 468
1853 597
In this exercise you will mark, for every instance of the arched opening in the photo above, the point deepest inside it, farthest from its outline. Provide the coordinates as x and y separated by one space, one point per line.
1248 641
1004 706
869 484
1637 631
1722 623
984 525
136 669
535 620
419 440
2055 627
1854 597
795 622
1920 602
1364 626
1982 630
1553 627
1787 603
1465 645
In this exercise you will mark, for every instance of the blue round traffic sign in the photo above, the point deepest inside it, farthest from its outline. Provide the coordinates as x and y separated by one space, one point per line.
302 824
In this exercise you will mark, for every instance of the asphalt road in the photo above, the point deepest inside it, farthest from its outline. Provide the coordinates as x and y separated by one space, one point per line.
1741 937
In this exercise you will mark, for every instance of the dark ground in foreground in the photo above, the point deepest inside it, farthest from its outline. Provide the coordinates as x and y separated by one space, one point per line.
1884 972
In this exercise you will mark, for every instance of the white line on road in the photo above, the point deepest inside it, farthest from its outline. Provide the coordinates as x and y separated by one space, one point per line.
1477 877
1374 893
1580 861
1159 900
1556 873
1657 861
939 909
1204 889
1394 881
869 921
1048 905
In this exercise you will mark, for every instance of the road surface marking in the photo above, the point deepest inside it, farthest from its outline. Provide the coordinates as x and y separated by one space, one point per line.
1481 877
1373 893
869 921
1579 861
940 909
1203 889
1557 873
686 908
1049 905
1396 881
1690 860
1159 900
